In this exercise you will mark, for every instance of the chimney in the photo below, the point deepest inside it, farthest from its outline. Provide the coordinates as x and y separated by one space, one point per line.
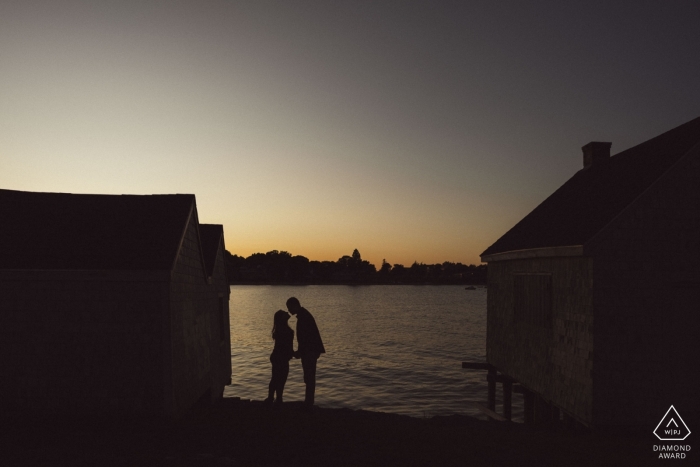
595 152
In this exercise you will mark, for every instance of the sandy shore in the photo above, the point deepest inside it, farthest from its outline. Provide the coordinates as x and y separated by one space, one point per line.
243 434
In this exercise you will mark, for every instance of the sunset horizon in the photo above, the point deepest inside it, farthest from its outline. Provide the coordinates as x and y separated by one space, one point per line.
419 133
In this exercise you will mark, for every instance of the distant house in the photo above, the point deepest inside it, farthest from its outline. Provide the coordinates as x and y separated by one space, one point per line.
594 297
110 304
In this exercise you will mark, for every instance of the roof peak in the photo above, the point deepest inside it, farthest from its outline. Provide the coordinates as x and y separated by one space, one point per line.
595 195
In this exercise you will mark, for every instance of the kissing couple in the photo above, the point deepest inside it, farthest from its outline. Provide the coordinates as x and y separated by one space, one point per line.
309 348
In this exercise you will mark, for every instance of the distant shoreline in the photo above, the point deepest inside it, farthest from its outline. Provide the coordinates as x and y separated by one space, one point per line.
282 268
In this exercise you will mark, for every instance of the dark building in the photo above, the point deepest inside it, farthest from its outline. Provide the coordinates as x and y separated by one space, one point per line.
594 297
110 304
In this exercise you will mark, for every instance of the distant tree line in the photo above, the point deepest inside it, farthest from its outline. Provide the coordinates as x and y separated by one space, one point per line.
280 267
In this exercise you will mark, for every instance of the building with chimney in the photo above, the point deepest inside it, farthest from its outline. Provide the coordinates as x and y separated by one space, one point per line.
110 304
594 296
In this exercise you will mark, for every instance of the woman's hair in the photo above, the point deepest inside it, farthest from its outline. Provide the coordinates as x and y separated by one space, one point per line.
280 323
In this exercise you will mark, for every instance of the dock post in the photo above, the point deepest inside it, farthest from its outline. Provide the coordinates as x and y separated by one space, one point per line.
492 389
507 397
529 403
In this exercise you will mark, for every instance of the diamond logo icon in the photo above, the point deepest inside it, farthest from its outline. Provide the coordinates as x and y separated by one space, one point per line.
671 427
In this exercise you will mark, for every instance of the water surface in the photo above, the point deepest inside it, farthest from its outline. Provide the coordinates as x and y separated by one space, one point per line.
395 348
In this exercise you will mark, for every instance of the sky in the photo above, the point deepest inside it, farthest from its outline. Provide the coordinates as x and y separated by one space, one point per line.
411 131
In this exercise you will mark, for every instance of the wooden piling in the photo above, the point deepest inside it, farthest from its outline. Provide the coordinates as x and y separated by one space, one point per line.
492 389
507 399
529 403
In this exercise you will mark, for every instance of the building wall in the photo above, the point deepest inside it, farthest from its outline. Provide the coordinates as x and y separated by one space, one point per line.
222 326
551 352
647 291
82 342
196 346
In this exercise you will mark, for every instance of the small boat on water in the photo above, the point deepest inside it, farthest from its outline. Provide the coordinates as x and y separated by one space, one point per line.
471 287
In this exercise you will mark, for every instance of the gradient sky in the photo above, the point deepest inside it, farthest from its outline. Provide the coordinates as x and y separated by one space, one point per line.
412 131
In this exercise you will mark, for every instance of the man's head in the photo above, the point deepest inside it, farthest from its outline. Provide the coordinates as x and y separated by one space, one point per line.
293 305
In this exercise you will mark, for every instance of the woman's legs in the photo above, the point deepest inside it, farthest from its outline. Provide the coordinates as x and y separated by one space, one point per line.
280 372
273 383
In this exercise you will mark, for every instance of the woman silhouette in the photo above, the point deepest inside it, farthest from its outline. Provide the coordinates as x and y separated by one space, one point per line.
281 354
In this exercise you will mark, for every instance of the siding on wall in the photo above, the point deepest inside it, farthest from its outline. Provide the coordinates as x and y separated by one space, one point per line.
195 341
82 341
549 350
646 303
223 327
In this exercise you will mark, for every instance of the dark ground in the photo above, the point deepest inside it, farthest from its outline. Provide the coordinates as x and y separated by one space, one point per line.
237 433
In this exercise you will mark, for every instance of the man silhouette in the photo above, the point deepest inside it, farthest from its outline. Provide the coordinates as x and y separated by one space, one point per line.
310 347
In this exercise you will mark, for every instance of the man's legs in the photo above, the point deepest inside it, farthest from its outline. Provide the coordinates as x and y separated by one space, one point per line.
308 363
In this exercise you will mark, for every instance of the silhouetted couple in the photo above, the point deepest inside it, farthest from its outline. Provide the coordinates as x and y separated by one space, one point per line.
309 348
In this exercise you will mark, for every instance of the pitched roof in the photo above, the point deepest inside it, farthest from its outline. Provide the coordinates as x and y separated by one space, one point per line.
102 232
211 235
590 199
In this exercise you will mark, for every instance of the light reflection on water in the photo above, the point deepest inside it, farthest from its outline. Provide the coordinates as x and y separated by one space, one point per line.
393 348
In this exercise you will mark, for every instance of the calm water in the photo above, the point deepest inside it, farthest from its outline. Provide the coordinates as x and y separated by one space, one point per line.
394 349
